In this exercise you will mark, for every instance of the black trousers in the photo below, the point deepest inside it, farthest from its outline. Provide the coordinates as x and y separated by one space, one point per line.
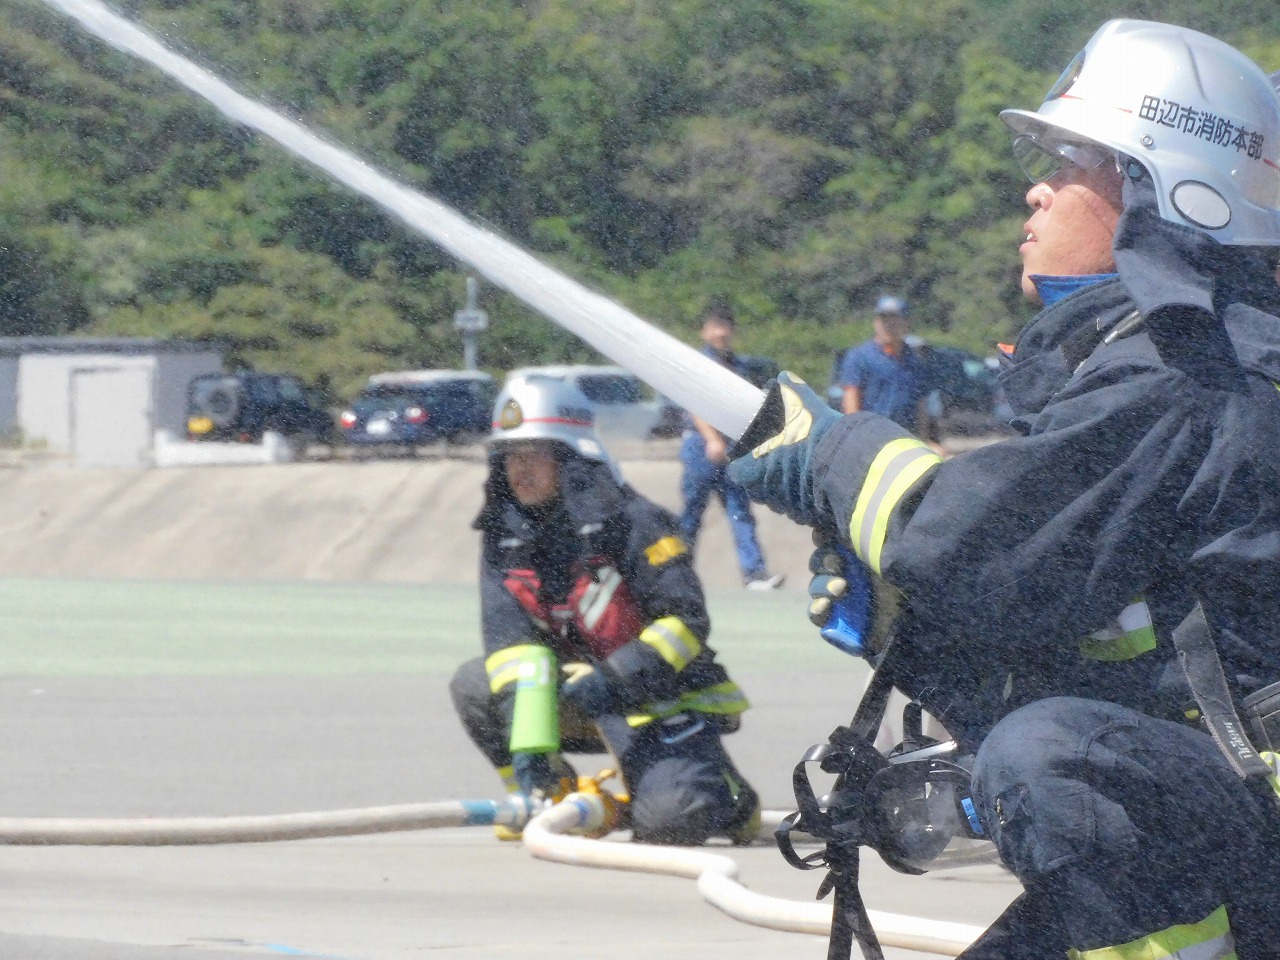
683 785
1120 825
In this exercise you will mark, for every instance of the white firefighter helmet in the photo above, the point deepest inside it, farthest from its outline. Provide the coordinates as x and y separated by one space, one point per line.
1200 117
542 407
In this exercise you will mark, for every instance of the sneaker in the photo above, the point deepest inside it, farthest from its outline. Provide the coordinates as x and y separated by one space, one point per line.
762 581
743 828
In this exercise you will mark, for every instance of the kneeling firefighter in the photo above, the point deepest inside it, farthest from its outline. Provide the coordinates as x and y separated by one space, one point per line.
595 631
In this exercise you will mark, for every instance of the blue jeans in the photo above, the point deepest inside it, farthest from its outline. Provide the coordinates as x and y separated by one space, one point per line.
701 479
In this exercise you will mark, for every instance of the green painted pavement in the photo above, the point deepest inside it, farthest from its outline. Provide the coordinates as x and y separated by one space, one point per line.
131 628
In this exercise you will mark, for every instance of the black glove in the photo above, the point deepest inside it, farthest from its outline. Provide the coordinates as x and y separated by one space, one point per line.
852 607
535 774
829 582
772 460
587 689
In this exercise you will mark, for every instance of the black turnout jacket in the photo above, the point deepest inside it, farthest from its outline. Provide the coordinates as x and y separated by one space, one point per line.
1146 477
598 519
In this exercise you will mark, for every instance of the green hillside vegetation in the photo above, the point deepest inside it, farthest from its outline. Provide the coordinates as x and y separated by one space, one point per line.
799 156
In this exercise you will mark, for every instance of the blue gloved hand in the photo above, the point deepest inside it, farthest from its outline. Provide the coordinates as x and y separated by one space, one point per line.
772 459
841 598
828 583
535 774
588 689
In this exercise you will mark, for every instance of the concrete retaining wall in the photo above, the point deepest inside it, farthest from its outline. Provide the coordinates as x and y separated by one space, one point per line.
388 520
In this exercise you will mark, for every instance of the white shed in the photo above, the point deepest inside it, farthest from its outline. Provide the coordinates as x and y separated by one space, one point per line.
97 400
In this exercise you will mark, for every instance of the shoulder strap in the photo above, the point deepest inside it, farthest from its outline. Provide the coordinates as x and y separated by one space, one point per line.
1198 657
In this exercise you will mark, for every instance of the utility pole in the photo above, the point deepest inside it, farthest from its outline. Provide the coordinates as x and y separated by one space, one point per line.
470 320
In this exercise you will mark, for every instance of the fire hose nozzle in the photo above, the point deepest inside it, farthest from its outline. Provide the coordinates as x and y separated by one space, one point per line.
600 811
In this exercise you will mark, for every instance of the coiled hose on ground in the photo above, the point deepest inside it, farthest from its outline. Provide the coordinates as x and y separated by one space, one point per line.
548 835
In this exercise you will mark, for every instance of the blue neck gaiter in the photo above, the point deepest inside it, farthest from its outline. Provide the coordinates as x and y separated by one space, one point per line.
1054 289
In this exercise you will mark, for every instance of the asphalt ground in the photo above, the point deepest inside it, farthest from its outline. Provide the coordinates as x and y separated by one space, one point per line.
136 699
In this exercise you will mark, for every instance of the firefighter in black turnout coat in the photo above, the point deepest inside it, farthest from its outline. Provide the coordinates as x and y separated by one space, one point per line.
1043 578
595 628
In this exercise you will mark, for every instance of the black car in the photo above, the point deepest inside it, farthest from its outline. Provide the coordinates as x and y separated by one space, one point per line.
420 407
243 405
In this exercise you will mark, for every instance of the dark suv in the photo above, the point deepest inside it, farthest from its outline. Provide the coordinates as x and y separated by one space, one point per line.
243 405
420 407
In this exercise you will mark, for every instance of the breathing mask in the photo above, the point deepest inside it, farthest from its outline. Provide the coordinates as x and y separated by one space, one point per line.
913 806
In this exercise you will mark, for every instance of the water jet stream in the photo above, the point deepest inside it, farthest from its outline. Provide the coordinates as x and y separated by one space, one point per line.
668 365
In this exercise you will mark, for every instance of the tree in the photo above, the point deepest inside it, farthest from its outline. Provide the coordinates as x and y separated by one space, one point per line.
800 156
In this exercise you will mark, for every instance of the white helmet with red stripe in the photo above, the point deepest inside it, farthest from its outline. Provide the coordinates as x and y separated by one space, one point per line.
1198 115
538 406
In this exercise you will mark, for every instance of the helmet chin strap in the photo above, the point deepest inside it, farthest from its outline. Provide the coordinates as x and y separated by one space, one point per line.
1135 176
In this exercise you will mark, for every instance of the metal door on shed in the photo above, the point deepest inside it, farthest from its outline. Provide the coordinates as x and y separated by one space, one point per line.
111 416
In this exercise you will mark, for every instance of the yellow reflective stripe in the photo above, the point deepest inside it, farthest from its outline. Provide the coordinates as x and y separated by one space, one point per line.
1210 939
503 667
674 641
668 548
1131 635
725 698
894 471
1272 760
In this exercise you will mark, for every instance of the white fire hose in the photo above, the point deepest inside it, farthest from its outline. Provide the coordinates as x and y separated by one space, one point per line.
546 835
181 831
717 879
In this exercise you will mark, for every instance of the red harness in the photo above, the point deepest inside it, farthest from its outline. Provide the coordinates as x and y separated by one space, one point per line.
599 606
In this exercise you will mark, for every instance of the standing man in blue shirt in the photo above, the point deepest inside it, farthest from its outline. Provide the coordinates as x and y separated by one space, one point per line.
704 453
885 375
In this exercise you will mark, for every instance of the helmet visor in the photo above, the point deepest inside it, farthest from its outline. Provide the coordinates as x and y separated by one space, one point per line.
1043 159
